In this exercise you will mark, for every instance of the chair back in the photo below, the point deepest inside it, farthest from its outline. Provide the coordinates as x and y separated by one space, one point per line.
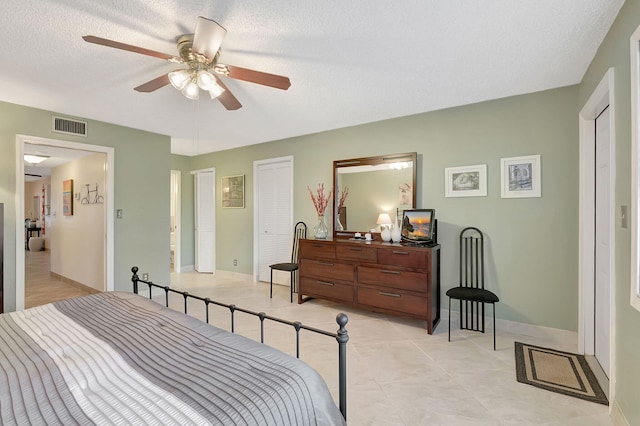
471 258
299 232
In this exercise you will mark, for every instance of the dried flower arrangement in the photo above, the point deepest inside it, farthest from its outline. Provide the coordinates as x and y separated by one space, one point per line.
320 201
342 199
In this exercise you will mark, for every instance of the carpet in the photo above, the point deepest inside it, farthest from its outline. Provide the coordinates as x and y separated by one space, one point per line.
557 371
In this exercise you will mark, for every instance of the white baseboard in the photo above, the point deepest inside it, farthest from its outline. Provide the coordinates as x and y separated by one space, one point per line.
536 331
233 275
188 268
617 417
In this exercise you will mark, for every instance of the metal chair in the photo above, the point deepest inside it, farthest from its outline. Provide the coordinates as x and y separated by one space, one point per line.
471 292
300 231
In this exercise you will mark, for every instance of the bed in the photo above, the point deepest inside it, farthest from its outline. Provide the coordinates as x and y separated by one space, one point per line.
120 358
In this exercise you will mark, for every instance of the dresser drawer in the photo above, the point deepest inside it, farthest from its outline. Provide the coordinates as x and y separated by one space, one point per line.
310 248
402 280
396 301
402 257
327 270
358 253
331 289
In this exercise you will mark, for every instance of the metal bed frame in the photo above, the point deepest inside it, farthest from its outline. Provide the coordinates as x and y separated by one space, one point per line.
341 336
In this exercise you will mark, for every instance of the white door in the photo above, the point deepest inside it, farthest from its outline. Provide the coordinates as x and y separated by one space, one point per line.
174 255
274 195
205 230
602 245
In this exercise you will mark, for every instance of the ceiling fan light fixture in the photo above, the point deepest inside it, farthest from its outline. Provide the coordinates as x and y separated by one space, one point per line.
191 90
179 79
216 90
205 80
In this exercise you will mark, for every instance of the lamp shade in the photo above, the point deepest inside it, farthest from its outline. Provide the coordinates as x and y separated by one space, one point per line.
384 219
205 80
216 90
191 90
179 78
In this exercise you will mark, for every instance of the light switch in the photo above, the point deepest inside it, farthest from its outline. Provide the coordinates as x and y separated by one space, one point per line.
624 217
119 214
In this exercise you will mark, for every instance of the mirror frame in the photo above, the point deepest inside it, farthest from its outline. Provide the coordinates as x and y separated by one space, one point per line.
409 157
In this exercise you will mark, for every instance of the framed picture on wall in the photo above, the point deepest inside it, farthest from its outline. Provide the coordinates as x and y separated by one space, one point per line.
233 192
465 181
520 177
67 197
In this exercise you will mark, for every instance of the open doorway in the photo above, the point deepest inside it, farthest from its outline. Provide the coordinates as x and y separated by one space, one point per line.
91 194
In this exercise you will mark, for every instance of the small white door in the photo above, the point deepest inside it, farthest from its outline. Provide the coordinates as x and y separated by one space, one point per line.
274 216
602 291
174 254
205 230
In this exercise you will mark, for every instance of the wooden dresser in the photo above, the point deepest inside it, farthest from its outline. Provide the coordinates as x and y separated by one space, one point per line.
377 276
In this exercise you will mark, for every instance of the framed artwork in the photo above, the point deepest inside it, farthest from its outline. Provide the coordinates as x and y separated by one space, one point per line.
520 177
465 181
233 192
67 197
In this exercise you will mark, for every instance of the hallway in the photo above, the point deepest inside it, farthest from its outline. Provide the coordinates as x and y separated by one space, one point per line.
40 286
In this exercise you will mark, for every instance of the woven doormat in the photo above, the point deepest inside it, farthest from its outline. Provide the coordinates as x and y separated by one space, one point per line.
557 371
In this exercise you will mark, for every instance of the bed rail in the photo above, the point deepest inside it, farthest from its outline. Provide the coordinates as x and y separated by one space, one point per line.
341 336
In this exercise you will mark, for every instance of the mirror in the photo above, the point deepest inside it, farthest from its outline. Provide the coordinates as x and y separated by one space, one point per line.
373 185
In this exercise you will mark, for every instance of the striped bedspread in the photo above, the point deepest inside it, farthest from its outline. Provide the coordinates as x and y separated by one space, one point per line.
117 358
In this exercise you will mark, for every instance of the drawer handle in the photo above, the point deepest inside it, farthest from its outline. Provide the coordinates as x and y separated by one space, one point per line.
325 283
384 271
317 245
384 293
355 248
401 252
325 263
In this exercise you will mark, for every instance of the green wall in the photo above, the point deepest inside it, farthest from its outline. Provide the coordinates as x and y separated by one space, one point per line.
531 243
614 52
142 164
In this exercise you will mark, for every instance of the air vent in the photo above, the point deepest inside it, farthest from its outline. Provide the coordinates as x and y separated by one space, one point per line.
69 127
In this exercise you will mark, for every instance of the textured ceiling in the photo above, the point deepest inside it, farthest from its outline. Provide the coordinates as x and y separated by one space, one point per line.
350 62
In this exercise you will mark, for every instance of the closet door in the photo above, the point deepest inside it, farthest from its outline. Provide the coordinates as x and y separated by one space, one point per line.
274 216
205 229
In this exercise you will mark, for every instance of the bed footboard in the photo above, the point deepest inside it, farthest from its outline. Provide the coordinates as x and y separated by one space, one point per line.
341 336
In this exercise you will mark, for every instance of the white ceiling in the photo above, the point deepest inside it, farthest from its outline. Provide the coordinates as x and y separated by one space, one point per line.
350 62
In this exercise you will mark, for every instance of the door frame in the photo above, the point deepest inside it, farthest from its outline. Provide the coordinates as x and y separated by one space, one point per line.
602 96
109 203
256 206
176 195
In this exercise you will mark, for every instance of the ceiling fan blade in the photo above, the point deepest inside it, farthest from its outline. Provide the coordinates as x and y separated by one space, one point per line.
154 84
208 37
129 47
259 77
227 99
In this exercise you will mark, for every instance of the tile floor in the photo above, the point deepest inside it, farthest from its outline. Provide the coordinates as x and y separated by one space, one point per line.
397 373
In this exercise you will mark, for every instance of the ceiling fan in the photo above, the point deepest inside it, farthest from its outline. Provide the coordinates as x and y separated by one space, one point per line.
200 53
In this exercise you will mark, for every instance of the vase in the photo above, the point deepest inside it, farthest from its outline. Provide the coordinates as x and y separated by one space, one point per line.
385 234
321 231
396 235
339 226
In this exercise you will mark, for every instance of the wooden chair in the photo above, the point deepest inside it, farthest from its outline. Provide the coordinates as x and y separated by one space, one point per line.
300 231
471 292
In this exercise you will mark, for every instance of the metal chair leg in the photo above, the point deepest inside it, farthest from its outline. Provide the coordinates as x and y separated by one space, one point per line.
271 286
293 283
449 319
494 326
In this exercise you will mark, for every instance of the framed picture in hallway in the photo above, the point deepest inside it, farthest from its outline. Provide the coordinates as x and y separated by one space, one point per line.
520 177
233 192
67 197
